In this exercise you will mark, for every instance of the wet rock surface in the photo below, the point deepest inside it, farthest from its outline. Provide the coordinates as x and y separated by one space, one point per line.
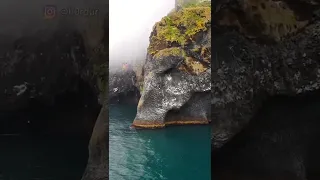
177 71
253 58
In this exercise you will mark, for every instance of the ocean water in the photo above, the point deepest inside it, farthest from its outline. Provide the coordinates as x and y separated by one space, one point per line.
42 158
173 153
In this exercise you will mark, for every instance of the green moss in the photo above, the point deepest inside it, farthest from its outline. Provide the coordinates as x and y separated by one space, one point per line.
179 28
197 49
141 89
175 51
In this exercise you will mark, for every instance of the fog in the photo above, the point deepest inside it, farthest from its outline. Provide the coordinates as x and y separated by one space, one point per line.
130 25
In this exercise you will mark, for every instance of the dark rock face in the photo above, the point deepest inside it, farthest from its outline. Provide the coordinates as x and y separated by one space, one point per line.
48 63
255 58
177 71
98 166
35 69
279 142
45 73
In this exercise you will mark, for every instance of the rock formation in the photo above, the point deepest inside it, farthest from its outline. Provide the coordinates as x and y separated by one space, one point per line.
177 70
123 87
260 48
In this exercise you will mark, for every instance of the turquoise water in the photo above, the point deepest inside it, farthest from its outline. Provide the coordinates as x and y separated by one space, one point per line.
173 153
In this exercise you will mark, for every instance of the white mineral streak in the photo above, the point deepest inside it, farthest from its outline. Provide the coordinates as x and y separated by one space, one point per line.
20 89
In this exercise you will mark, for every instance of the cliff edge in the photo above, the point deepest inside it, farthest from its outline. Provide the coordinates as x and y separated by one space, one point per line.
177 72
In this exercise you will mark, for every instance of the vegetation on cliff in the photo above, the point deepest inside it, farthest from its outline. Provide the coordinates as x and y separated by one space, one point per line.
174 51
179 28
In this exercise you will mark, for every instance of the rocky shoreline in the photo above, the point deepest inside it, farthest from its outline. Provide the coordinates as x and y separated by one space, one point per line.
159 124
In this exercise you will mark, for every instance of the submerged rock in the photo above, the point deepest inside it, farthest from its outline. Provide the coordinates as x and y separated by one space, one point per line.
261 48
177 70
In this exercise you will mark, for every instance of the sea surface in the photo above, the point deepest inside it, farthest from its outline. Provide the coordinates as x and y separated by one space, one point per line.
173 153
42 158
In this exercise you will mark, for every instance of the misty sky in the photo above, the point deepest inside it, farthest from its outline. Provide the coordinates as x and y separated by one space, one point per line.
130 25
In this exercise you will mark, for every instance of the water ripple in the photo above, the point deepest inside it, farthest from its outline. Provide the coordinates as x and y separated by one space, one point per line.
177 153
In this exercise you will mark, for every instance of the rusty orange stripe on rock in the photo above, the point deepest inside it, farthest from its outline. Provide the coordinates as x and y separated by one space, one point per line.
157 124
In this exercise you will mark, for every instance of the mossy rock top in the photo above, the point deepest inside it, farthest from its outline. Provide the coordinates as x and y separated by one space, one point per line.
179 28
175 51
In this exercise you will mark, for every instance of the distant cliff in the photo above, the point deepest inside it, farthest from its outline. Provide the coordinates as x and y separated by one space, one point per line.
177 71
123 87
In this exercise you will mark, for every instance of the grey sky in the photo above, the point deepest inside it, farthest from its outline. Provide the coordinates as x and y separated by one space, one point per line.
130 25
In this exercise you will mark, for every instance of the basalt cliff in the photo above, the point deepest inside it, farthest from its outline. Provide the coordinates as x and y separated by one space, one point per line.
176 88
261 48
